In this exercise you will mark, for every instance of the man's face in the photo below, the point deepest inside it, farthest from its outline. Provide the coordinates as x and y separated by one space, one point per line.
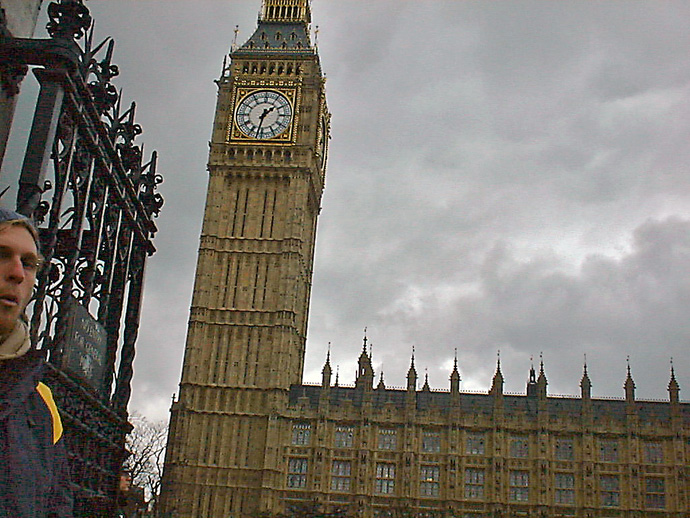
18 265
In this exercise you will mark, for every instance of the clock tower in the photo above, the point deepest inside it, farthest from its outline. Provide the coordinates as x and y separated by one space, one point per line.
248 321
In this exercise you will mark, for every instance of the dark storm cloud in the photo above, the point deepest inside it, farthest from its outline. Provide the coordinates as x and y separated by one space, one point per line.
503 175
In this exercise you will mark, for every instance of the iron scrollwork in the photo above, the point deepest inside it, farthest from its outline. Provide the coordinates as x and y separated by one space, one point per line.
94 196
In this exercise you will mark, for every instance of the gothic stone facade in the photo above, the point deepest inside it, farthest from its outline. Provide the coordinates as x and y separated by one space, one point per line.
246 436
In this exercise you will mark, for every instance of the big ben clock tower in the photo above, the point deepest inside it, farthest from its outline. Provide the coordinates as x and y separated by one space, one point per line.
248 320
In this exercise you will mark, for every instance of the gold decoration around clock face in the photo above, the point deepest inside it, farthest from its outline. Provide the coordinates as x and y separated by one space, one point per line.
263 114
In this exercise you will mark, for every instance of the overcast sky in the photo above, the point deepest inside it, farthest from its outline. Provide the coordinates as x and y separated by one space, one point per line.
503 175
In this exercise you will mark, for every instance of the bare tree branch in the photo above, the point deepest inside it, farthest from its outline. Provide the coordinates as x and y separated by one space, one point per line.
146 444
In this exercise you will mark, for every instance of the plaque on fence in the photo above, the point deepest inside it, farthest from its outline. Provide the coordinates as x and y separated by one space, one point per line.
85 346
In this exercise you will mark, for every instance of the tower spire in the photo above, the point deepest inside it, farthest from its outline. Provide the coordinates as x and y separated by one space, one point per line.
326 372
585 384
497 383
541 380
673 387
412 375
629 385
455 376
532 381
365 372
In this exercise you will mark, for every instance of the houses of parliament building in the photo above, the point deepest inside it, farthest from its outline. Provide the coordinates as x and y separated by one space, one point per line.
247 436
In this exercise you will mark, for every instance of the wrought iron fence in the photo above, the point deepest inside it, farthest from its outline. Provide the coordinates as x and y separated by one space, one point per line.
94 197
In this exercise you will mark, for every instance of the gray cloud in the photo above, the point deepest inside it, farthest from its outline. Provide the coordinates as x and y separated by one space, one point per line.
503 175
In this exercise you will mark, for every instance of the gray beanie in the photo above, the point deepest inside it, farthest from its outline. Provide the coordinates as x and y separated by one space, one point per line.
10 215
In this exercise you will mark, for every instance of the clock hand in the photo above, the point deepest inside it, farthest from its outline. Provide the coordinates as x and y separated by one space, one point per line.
262 117
261 121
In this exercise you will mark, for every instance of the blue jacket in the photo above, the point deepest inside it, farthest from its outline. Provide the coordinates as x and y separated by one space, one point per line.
34 476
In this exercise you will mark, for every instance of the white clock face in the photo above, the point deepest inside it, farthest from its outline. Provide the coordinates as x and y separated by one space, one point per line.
263 114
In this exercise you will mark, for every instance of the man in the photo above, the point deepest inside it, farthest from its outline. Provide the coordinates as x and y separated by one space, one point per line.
34 479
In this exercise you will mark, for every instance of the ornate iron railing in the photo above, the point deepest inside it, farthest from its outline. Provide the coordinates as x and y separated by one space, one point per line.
86 184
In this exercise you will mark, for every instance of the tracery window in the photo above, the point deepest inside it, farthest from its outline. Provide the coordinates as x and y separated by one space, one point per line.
388 439
344 436
474 483
431 442
565 489
519 486
564 449
340 475
655 493
519 446
608 450
610 490
385 478
297 473
429 480
474 444
301 434
653 452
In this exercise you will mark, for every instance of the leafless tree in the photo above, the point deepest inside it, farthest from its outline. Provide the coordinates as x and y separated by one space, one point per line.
146 444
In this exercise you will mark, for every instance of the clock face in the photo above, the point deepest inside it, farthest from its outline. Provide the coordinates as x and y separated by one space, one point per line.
263 114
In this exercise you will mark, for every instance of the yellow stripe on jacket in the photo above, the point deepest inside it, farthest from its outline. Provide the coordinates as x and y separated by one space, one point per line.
47 397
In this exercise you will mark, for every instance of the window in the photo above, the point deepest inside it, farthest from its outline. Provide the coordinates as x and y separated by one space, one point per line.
565 489
385 478
519 446
610 490
519 486
301 434
474 444
388 439
340 475
564 449
655 497
429 480
608 450
431 442
474 483
653 453
344 436
297 473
